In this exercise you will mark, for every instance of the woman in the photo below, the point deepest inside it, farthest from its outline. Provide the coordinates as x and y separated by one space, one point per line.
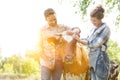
97 45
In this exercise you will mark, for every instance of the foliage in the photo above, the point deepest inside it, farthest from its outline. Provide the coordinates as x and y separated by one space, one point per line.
16 61
114 51
18 65
2 62
83 5
33 54
8 68
30 66
111 4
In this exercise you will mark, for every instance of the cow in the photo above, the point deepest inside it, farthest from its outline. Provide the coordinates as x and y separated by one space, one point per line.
75 59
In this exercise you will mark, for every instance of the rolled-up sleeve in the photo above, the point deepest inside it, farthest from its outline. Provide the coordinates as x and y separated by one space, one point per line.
100 39
40 42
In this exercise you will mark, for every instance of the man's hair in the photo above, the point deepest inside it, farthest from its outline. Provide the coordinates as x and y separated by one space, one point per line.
48 12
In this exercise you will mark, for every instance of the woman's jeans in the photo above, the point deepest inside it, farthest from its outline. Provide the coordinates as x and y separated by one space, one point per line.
94 76
47 74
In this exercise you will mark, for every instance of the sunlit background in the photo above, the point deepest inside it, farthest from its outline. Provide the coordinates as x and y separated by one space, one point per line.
20 21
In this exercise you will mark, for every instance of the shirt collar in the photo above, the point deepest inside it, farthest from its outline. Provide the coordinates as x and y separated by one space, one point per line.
100 28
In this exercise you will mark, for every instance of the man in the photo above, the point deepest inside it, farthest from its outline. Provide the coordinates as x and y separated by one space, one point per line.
50 60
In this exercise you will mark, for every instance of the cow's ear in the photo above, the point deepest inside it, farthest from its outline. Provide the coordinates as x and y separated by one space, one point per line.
117 66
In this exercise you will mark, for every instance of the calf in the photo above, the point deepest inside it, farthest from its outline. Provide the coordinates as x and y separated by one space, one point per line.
75 60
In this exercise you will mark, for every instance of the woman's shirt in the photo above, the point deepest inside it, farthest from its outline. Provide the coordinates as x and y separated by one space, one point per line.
98 37
97 41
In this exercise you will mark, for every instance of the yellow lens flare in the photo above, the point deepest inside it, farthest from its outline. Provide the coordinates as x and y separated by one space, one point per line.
17 45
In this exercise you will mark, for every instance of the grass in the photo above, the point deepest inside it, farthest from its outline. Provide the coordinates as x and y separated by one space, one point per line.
34 77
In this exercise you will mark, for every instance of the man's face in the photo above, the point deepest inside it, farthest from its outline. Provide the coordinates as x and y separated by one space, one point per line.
51 19
96 22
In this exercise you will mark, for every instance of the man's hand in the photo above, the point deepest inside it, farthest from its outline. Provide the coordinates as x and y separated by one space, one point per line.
76 37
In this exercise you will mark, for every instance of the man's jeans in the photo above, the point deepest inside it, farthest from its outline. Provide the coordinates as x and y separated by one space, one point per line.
47 74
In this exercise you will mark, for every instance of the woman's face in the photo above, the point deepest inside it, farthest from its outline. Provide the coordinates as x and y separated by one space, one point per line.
96 22
51 19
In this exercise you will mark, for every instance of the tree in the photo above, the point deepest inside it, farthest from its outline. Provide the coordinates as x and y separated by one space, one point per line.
3 61
30 66
33 54
114 51
16 61
83 5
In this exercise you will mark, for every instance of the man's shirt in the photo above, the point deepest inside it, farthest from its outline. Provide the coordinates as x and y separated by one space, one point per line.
46 48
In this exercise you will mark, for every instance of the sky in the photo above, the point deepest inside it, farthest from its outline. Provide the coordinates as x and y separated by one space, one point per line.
20 21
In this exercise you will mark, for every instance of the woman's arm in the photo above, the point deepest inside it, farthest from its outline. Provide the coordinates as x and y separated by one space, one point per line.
84 42
99 40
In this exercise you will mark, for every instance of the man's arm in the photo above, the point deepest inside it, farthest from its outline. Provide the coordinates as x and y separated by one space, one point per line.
40 46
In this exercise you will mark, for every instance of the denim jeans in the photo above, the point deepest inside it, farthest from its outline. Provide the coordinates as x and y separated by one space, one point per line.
94 76
47 74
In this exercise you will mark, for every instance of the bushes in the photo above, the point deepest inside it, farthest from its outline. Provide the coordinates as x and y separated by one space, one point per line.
114 51
30 66
8 68
18 65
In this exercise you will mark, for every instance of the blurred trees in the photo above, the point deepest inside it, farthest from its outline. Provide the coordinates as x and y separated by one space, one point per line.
30 65
19 65
33 54
114 51
82 6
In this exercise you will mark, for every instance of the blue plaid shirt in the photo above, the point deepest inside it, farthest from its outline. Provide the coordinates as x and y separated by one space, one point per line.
97 41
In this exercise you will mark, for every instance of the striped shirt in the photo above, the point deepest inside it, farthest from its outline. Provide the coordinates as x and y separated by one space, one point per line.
47 49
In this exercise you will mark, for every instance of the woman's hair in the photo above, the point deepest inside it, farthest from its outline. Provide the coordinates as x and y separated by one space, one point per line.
48 12
98 12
